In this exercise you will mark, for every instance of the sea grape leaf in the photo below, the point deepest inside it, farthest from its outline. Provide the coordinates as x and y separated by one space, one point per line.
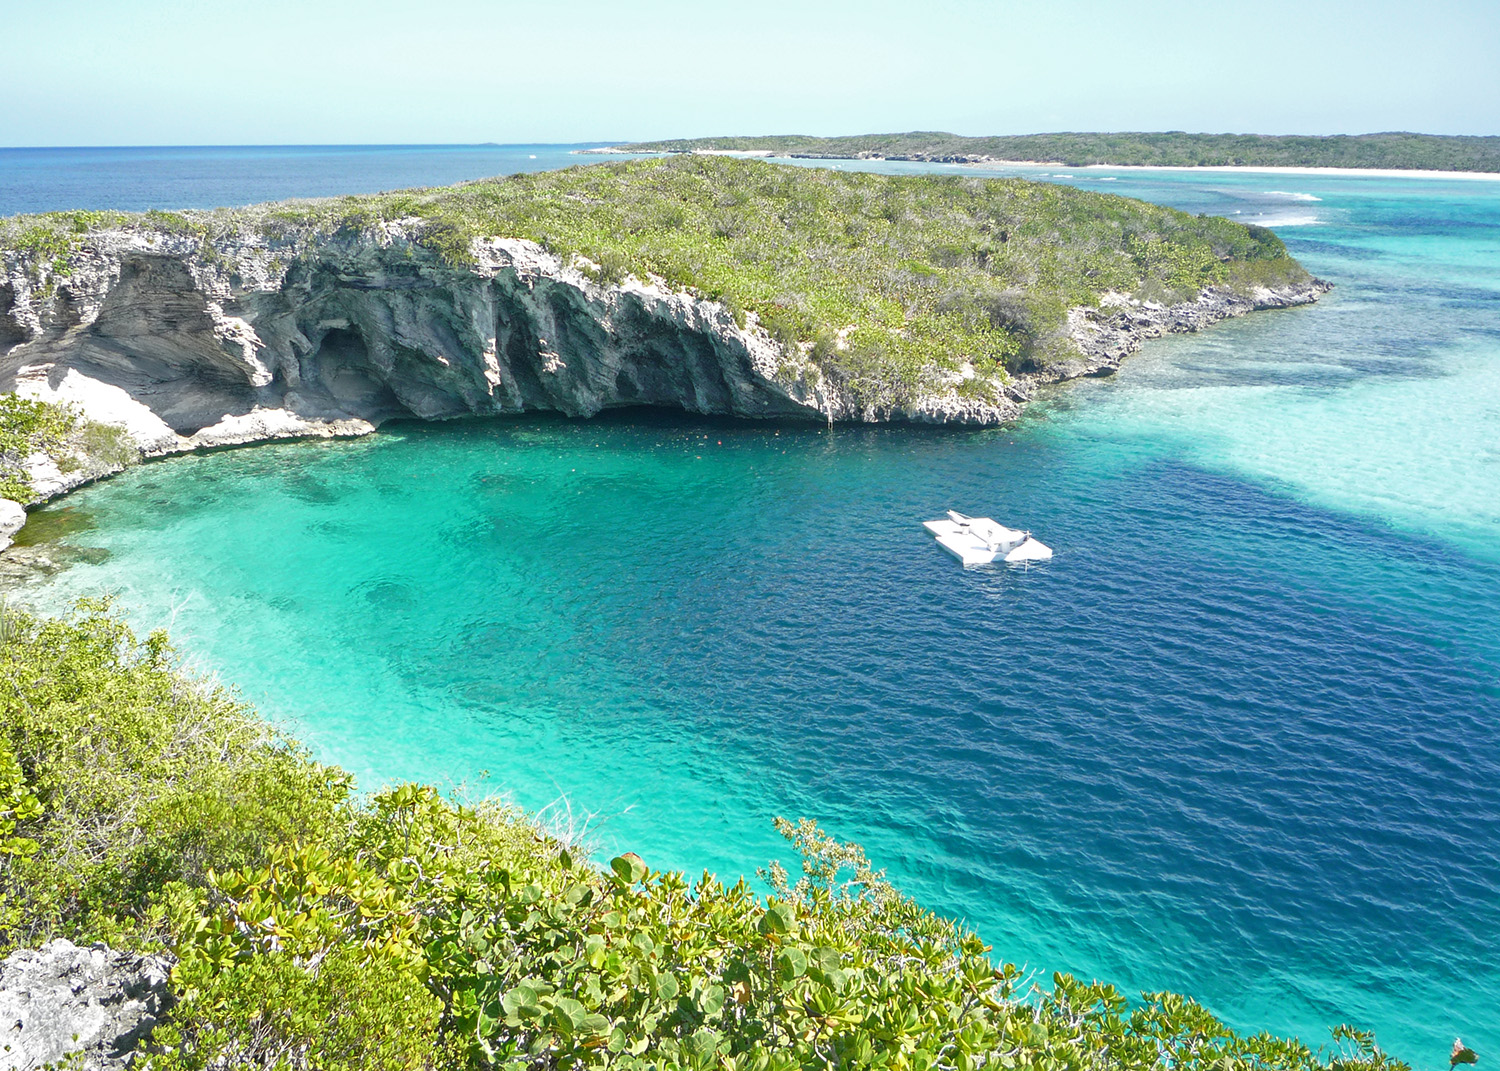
629 868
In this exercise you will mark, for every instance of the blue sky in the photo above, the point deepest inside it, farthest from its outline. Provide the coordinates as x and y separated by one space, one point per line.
88 72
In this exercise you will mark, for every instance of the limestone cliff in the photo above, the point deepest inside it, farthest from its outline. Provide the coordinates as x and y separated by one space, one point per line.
188 342
192 346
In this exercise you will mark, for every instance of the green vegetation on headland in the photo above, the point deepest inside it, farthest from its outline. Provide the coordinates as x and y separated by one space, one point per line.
30 427
884 281
1431 152
323 930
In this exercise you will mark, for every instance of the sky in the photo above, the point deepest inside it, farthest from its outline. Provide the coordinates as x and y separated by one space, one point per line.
186 72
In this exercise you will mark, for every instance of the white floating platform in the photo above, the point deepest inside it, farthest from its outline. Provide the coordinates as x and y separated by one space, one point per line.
980 541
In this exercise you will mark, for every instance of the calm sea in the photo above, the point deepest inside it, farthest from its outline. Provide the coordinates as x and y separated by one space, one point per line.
135 179
1240 738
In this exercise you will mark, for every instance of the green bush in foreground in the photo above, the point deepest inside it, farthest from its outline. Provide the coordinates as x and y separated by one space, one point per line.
147 779
320 930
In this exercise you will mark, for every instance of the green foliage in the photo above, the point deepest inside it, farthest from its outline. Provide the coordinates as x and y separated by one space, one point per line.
304 901
449 240
541 962
18 805
26 427
50 239
1170 149
361 906
344 1011
106 444
1246 275
613 268
309 961
174 223
148 779
43 243
317 930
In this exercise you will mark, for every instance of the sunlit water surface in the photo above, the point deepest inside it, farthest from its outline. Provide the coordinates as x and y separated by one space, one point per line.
1240 738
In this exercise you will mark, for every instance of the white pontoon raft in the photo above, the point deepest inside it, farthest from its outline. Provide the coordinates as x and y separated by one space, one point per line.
979 541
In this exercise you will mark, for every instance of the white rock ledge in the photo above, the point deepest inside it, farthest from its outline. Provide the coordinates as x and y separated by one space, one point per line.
12 520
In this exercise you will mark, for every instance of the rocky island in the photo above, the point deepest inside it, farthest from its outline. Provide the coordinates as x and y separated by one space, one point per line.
713 285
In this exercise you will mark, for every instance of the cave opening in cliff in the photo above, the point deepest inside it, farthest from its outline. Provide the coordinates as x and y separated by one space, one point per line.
343 367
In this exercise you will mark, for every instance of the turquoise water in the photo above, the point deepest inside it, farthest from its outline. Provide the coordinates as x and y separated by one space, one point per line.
1239 738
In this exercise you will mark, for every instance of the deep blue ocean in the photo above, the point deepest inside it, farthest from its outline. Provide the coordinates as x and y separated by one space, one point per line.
137 178
1239 739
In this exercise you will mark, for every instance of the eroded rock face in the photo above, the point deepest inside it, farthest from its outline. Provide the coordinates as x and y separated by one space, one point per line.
188 348
187 345
62 999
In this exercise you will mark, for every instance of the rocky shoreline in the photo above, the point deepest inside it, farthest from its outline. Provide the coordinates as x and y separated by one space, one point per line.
1120 326
188 346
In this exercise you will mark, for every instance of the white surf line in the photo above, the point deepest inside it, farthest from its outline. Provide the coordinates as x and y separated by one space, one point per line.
1267 169
1374 172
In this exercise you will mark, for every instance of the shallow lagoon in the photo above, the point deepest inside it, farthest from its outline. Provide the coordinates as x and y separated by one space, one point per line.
1240 738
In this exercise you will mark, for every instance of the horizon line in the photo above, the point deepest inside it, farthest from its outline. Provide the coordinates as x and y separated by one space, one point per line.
322 145
705 137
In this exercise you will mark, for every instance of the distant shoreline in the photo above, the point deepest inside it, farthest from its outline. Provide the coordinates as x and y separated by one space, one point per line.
1266 169
1392 151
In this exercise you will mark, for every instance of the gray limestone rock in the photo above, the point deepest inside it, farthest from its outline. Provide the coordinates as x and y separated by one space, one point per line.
188 345
12 520
61 999
1120 325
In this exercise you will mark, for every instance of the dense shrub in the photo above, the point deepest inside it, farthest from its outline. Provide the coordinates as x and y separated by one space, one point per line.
1155 149
28 427
147 779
